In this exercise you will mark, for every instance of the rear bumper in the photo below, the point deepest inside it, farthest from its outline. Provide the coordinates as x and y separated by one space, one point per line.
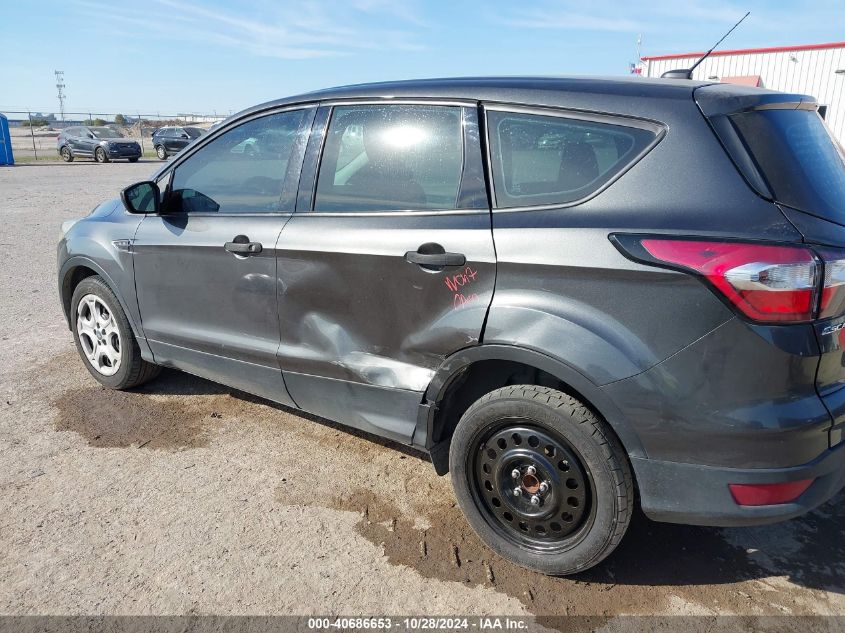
699 495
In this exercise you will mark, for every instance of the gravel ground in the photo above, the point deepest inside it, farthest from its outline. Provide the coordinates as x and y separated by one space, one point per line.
188 497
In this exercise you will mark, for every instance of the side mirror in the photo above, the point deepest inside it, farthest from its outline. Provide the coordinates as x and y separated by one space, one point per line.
142 197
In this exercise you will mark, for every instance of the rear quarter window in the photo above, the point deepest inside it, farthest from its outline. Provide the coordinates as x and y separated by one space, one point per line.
540 160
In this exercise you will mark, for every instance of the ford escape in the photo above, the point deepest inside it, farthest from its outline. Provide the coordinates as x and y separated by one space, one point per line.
576 295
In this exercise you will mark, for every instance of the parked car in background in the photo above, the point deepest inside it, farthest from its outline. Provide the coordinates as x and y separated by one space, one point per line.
172 140
578 296
266 141
103 144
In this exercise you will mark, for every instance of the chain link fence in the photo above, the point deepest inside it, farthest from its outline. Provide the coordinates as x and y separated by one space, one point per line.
34 134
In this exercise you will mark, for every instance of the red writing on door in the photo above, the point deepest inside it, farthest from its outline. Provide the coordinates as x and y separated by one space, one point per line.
459 284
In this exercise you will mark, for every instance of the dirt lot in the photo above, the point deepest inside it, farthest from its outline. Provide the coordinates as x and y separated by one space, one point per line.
188 497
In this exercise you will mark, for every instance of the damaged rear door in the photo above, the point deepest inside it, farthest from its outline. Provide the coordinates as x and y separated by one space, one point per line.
388 264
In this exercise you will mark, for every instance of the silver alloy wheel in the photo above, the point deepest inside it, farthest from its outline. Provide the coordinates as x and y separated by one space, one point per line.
100 155
98 334
66 154
160 152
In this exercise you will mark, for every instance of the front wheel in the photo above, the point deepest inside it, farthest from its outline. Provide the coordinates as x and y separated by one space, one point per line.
104 338
100 155
161 152
133 160
541 479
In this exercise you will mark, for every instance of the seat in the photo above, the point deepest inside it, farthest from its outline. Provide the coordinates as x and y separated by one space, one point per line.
578 166
385 181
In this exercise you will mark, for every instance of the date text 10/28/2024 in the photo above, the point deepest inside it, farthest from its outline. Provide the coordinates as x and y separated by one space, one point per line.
483 623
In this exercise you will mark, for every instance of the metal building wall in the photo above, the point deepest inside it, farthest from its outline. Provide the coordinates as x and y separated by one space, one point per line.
805 71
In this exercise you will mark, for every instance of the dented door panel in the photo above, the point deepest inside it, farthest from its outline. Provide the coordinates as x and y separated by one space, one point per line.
352 308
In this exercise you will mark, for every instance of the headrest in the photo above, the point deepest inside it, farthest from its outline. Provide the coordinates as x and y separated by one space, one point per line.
578 166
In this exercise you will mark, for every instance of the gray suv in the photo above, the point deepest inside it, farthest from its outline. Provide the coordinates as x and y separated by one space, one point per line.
168 141
578 296
101 143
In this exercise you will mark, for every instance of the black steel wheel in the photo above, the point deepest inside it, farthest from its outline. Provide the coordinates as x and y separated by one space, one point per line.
541 479
531 485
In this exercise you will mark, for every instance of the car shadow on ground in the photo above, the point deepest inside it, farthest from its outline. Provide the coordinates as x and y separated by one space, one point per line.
809 551
174 382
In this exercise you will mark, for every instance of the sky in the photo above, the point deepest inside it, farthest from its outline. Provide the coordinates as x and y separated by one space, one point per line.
215 56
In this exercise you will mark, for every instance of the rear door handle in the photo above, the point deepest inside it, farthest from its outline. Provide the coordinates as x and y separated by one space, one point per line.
436 259
241 245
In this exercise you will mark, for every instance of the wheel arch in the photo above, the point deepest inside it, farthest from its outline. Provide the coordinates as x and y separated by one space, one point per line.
74 271
470 373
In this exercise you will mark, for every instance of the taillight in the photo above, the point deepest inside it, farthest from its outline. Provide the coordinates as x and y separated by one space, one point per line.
833 287
765 282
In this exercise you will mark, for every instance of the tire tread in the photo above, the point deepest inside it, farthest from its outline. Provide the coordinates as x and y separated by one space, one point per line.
611 448
140 371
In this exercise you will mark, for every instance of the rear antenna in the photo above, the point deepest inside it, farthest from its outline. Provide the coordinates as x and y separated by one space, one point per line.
686 73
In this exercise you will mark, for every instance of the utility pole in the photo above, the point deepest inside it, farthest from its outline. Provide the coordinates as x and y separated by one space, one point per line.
60 86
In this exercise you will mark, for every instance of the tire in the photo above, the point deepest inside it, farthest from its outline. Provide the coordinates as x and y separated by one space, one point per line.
66 154
95 308
161 152
100 155
585 509
133 160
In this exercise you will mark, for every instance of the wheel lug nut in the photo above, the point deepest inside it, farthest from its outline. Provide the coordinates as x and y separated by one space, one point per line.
515 473
535 500
544 487
517 492
531 470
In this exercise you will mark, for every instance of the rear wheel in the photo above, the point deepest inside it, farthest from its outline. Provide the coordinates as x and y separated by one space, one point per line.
104 338
541 479
100 155
161 152
66 154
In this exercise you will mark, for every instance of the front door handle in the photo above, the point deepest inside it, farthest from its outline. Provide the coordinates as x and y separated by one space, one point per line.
241 245
432 255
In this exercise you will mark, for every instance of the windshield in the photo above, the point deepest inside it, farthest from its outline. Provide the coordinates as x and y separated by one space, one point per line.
799 158
105 132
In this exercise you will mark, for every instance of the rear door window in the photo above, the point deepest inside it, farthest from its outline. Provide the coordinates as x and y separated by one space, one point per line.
540 160
391 158
802 163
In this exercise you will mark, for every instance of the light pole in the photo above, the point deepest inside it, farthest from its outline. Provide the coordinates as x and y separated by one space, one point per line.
60 86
